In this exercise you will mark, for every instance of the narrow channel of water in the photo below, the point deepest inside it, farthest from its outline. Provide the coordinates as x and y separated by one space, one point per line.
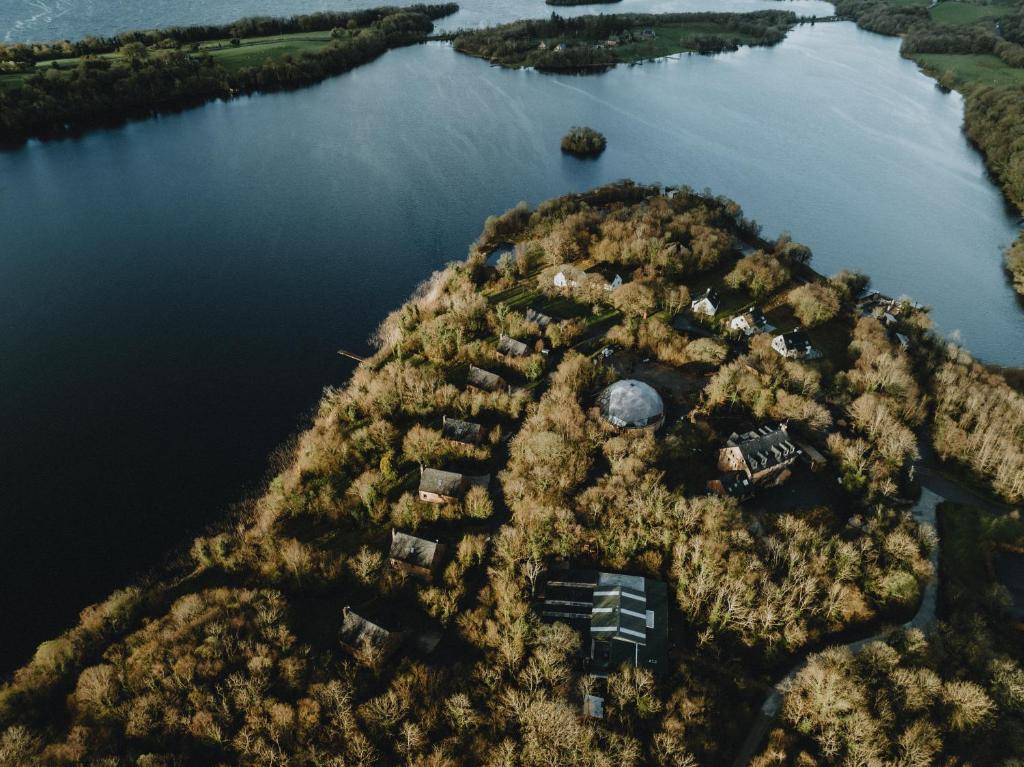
172 292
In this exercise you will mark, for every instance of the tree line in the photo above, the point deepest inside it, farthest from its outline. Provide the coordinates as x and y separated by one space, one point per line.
101 91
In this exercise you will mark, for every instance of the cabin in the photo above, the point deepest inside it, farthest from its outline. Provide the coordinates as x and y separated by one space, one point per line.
360 636
561 48
415 556
464 432
707 304
623 619
902 340
648 34
511 347
541 319
763 454
813 456
438 486
795 345
484 380
751 323
733 484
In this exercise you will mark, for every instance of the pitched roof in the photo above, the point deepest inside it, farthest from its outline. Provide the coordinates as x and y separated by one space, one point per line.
461 431
512 347
796 340
483 379
357 630
711 296
765 447
449 483
415 551
736 484
532 315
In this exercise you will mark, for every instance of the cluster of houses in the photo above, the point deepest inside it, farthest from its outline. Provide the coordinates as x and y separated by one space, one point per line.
888 310
613 41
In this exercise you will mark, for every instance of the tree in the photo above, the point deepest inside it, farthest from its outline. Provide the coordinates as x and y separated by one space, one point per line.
134 52
634 299
814 303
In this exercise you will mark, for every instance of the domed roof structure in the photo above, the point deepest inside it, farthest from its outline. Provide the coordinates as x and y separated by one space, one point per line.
631 404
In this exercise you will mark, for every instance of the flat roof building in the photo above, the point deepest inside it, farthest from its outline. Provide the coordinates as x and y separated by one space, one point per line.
623 618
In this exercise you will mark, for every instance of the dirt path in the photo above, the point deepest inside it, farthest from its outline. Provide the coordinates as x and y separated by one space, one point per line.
924 512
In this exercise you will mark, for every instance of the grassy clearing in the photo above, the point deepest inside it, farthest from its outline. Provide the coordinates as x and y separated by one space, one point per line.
676 38
11 81
985 69
254 51
967 13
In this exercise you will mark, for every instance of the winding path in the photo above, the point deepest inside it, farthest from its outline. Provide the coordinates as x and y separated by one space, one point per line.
932 494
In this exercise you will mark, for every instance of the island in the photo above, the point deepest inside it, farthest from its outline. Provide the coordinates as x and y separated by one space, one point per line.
593 44
584 142
54 89
978 50
604 484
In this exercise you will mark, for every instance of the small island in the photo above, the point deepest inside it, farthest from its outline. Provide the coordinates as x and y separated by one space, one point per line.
584 142
581 2
594 44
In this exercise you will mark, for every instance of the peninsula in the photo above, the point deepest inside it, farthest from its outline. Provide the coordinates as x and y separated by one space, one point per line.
589 44
602 483
53 89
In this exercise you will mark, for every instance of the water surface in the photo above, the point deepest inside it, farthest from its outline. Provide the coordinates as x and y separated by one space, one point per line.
172 293
27 20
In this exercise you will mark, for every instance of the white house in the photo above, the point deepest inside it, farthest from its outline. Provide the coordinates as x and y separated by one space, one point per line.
569 277
795 345
751 323
707 304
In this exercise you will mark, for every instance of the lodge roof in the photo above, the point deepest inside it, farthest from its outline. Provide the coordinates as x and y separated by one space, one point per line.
765 447
483 379
414 551
461 431
711 296
357 630
532 315
449 484
796 341
512 347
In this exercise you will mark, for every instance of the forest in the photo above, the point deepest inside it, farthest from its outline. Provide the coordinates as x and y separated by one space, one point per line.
234 657
583 142
591 44
131 76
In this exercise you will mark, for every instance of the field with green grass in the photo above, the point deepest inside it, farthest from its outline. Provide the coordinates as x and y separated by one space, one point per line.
254 51
968 13
967 68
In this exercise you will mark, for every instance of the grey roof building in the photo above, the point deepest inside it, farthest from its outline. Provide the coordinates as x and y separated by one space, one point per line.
630 404
623 618
462 431
510 347
484 380
358 634
417 556
760 454
796 345
437 486
532 315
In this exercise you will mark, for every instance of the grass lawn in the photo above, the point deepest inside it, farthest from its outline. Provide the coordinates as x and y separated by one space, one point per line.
254 51
985 68
674 38
11 81
967 13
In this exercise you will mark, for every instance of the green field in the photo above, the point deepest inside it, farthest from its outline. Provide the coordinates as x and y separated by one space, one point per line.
676 38
966 68
968 13
251 52
254 51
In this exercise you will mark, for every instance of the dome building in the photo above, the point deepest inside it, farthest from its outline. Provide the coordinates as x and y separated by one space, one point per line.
630 404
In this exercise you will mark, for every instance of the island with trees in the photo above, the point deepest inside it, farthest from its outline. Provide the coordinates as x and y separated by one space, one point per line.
403 590
581 2
978 50
591 44
52 89
583 142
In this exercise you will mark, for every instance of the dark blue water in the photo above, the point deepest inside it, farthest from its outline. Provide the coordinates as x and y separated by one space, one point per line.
172 293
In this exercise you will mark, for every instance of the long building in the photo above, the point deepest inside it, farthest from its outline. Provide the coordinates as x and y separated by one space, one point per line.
622 618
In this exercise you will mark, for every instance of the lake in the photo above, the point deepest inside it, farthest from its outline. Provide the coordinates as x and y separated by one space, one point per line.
34 20
172 293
